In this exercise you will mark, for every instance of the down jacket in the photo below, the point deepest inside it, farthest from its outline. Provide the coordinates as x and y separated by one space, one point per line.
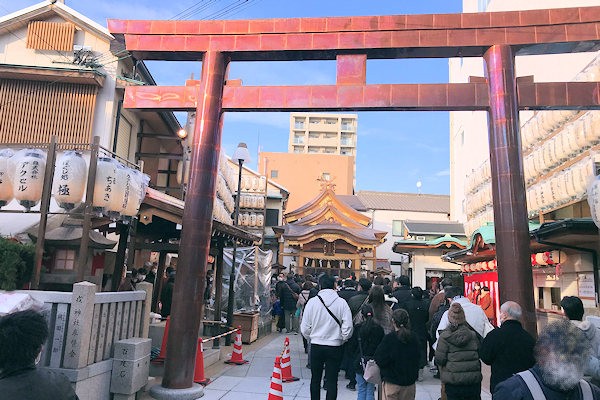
457 354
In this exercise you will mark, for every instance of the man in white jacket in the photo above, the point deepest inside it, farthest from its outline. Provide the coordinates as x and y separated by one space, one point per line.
327 322
474 314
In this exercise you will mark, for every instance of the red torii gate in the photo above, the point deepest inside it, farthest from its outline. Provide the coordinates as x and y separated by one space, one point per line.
496 37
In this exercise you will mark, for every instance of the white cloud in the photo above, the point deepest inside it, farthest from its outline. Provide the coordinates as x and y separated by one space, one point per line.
444 172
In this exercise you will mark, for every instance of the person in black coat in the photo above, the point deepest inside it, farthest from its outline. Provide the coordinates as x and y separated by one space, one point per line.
402 292
166 296
561 355
362 345
349 290
288 293
508 349
22 335
398 359
418 311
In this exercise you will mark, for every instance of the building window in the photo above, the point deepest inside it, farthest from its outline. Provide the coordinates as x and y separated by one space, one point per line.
299 124
345 152
274 173
298 139
397 228
272 217
314 135
347 125
64 259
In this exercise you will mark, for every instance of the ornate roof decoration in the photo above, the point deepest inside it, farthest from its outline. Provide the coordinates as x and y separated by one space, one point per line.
327 198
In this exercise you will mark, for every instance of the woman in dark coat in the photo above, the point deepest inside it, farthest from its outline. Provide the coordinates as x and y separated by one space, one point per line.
457 354
398 359
418 312
362 345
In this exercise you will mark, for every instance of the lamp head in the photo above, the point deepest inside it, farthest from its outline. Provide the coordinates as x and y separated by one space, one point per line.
182 133
241 154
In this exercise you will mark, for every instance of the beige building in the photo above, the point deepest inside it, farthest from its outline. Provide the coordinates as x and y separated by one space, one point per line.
559 158
303 174
323 133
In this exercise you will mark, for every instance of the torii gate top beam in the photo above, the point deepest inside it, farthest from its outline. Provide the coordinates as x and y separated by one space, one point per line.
564 30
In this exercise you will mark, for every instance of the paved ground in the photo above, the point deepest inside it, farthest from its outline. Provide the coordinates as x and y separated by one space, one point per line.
233 382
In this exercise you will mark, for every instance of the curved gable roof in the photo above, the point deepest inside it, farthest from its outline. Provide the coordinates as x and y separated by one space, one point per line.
326 197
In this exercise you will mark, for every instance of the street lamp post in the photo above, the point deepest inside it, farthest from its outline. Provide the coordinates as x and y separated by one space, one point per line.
240 156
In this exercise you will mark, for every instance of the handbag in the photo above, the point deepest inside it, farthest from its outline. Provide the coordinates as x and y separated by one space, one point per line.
372 372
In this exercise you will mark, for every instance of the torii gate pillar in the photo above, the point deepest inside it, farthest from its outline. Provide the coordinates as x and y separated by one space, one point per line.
196 232
515 278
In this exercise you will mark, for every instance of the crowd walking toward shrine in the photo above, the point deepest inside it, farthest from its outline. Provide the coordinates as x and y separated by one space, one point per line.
384 333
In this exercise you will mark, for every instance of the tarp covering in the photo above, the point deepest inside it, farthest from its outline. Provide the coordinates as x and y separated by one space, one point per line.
252 281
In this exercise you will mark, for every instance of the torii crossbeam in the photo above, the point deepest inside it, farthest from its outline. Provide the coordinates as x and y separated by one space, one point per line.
497 37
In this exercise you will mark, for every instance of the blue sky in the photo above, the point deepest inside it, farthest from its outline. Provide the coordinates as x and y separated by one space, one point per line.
395 149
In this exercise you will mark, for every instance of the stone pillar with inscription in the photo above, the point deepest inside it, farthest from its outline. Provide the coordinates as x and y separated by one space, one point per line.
80 325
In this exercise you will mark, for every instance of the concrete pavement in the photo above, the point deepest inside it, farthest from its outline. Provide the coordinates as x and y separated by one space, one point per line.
233 382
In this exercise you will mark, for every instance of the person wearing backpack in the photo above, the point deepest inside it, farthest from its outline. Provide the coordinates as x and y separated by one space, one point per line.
561 355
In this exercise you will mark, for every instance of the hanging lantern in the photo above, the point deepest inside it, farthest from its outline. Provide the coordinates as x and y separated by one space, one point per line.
6 173
260 220
28 183
263 184
106 182
593 199
252 219
135 192
69 180
120 193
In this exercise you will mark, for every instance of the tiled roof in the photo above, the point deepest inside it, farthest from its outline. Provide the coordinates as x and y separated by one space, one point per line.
353 201
405 201
434 227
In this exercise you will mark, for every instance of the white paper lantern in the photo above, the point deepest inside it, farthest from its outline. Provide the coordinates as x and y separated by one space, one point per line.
261 202
70 178
254 201
106 183
247 182
28 182
252 220
262 184
6 176
260 220
134 193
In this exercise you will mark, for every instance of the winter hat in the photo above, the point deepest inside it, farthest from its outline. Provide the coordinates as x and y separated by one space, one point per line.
456 314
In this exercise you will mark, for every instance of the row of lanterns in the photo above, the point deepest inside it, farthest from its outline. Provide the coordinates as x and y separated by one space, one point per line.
571 141
542 259
561 188
118 190
251 201
251 219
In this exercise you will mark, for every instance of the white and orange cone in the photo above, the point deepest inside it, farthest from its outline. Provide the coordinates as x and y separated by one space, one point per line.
236 355
276 389
286 363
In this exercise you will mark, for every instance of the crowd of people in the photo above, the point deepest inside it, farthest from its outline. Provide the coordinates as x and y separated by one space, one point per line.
352 324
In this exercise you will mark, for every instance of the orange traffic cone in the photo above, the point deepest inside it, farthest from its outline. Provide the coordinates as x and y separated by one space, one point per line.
276 389
286 363
236 355
163 347
199 369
